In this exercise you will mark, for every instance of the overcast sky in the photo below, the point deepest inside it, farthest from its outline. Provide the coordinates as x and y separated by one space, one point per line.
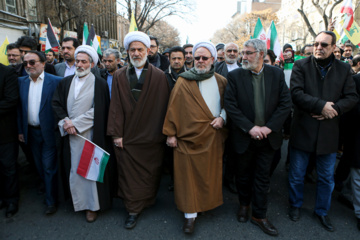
208 17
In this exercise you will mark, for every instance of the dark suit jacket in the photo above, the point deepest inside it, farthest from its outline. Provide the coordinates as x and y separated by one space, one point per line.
239 105
46 114
310 92
221 68
9 96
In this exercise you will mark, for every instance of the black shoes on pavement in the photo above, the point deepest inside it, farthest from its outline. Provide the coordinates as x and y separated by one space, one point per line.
325 222
243 214
131 220
189 225
294 213
265 225
11 209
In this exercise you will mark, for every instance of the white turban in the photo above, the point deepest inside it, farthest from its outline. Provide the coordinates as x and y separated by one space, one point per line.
136 37
208 45
89 50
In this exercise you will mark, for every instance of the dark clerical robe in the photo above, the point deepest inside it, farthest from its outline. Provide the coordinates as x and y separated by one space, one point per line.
198 156
139 122
101 100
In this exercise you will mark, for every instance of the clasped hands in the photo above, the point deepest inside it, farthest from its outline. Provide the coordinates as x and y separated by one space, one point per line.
259 133
328 112
69 127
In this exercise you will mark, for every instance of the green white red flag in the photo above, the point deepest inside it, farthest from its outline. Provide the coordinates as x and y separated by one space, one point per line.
348 12
272 40
259 31
51 40
93 162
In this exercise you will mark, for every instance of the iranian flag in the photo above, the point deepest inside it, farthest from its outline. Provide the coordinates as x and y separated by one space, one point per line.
348 12
272 40
51 40
93 162
259 31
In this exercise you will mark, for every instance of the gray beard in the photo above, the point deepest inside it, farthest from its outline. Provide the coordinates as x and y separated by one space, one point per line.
83 73
229 60
202 71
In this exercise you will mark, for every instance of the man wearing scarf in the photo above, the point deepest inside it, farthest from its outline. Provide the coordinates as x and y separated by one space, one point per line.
322 89
194 126
140 94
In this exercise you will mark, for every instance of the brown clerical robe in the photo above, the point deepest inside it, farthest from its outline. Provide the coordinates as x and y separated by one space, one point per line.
139 123
198 156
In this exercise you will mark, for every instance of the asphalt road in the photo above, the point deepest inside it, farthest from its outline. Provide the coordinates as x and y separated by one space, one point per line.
164 221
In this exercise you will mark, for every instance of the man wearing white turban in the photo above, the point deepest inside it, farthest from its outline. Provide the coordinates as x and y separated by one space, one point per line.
139 98
194 126
81 104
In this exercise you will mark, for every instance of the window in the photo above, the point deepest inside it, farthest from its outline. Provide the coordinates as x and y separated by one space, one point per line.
11 6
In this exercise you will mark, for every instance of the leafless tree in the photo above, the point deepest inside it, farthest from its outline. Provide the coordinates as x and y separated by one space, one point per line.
149 12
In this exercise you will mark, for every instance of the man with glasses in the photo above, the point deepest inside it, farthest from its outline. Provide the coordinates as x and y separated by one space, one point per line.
194 126
231 60
220 52
257 102
13 54
26 44
189 58
322 89
156 59
36 122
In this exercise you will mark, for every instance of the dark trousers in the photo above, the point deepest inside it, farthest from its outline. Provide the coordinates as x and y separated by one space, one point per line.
45 162
9 188
253 176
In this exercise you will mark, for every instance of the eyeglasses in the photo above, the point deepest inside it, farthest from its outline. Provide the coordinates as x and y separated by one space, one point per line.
248 52
153 46
308 53
31 62
323 45
202 57
232 50
220 58
13 55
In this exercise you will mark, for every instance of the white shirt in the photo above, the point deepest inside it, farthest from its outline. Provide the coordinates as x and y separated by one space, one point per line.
231 67
79 82
34 100
138 72
69 70
210 92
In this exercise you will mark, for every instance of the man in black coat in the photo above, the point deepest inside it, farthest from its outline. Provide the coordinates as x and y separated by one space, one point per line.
322 89
177 65
257 101
231 60
156 59
9 95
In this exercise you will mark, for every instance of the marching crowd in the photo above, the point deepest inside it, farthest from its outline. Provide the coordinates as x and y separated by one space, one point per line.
194 110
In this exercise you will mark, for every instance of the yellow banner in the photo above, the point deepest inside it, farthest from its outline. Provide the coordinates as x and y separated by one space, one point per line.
353 34
133 26
3 53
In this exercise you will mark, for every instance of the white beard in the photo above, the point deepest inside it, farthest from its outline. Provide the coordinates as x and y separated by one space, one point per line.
251 66
83 73
229 60
203 71
138 63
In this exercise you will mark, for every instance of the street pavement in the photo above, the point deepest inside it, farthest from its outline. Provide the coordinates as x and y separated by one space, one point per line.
164 221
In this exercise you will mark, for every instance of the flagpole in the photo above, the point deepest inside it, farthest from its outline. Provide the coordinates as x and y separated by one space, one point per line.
92 143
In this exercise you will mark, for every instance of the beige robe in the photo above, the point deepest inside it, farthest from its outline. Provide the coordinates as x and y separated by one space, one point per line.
81 112
198 157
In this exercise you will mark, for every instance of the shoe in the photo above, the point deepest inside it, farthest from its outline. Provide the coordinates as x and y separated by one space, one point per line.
243 214
189 225
358 223
91 216
265 225
294 213
325 221
50 210
130 221
11 209
346 202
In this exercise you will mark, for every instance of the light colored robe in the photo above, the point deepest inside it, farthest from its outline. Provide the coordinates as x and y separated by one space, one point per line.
81 112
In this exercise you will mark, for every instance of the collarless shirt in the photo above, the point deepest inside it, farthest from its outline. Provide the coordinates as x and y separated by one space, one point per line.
34 100
79 82
69 70
232 66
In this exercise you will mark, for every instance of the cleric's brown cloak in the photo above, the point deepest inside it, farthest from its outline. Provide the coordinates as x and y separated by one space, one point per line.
198 157
139 123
